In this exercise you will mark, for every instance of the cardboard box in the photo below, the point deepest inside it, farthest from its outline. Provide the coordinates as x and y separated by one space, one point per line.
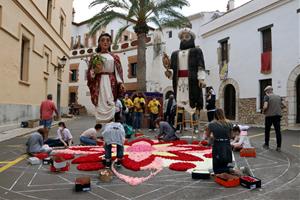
200 174
82 184
227 180
248 152
250 182
33 123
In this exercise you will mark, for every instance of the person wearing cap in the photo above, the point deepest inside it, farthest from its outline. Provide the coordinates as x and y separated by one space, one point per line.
272 111
188 72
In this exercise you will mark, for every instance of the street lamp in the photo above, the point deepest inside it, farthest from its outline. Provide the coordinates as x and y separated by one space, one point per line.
61 63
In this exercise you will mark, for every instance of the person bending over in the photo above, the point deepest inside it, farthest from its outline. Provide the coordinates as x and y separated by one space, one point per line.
166 131
89 137
241 139
114 133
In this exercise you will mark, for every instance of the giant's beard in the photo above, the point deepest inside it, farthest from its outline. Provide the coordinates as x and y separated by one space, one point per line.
187 44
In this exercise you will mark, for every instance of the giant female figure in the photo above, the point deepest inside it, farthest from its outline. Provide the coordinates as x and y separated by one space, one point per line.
105 80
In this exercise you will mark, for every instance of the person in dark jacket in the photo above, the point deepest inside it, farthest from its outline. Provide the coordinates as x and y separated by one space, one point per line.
210 103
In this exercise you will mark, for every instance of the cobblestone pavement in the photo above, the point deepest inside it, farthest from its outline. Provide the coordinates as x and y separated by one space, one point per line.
279 173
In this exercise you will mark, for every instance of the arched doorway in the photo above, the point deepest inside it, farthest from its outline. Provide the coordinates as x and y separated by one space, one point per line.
298 99
229 102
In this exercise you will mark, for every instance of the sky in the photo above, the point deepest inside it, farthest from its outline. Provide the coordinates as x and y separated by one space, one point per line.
82 12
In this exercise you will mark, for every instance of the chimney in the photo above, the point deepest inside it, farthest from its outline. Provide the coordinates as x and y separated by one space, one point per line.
230 5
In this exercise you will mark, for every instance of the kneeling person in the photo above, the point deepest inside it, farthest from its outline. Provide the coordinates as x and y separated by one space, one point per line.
35 143
166 131
114 133
89 137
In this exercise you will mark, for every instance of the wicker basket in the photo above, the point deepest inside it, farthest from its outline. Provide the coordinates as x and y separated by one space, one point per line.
105 175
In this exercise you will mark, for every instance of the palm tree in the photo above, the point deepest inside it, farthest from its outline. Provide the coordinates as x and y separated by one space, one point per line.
139 13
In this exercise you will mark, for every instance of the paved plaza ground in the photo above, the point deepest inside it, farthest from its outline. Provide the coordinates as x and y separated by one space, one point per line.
279 173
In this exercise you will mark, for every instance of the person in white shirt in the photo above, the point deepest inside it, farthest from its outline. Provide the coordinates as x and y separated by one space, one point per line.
241 139
89 137
64 137
114 133
119 108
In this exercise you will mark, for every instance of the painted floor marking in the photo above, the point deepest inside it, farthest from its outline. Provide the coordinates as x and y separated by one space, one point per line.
12 163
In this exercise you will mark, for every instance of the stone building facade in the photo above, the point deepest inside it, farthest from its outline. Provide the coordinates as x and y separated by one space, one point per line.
34 36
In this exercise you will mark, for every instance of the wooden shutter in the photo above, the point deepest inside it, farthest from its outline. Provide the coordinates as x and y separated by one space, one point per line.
219 50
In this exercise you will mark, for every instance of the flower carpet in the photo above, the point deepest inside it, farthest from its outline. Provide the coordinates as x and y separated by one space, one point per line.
145 154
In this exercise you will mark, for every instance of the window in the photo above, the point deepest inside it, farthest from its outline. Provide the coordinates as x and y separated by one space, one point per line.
125 37
47 62
263 84
24 59
224 51
49 10
266 40
133 70
61 28
74 75
170 34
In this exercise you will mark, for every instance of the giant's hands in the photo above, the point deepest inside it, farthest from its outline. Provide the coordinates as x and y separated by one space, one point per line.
201 83
168 74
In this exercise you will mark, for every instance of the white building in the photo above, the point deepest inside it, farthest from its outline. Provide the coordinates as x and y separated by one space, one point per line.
233 44
245 33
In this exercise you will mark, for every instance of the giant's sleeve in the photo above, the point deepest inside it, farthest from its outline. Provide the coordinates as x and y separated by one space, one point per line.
201 65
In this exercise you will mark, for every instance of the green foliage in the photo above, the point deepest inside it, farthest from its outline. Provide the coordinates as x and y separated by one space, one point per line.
138 13
98 59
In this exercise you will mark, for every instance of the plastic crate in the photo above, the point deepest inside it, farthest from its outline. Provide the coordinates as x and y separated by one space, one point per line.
227 180
248 152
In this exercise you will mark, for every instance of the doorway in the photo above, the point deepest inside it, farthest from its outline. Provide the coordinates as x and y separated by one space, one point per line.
229 102
298 99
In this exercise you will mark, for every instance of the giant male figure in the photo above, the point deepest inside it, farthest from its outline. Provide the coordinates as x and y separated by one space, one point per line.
188 73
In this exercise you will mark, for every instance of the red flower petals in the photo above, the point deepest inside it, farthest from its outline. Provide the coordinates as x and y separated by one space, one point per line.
93 166
65 156
181 166
136 166
87 159
81 148
41 156
208 155
204 142
181 156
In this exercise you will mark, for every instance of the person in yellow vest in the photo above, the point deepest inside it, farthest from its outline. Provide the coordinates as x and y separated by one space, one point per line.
153 107
139 106
129 109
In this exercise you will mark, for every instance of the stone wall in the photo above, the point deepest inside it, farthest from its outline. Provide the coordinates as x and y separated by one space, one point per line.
249 115
15 113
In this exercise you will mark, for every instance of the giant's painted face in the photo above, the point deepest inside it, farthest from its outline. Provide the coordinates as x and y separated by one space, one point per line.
185 36
187 41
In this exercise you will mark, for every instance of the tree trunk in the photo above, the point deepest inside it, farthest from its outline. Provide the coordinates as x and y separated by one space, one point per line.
141 62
